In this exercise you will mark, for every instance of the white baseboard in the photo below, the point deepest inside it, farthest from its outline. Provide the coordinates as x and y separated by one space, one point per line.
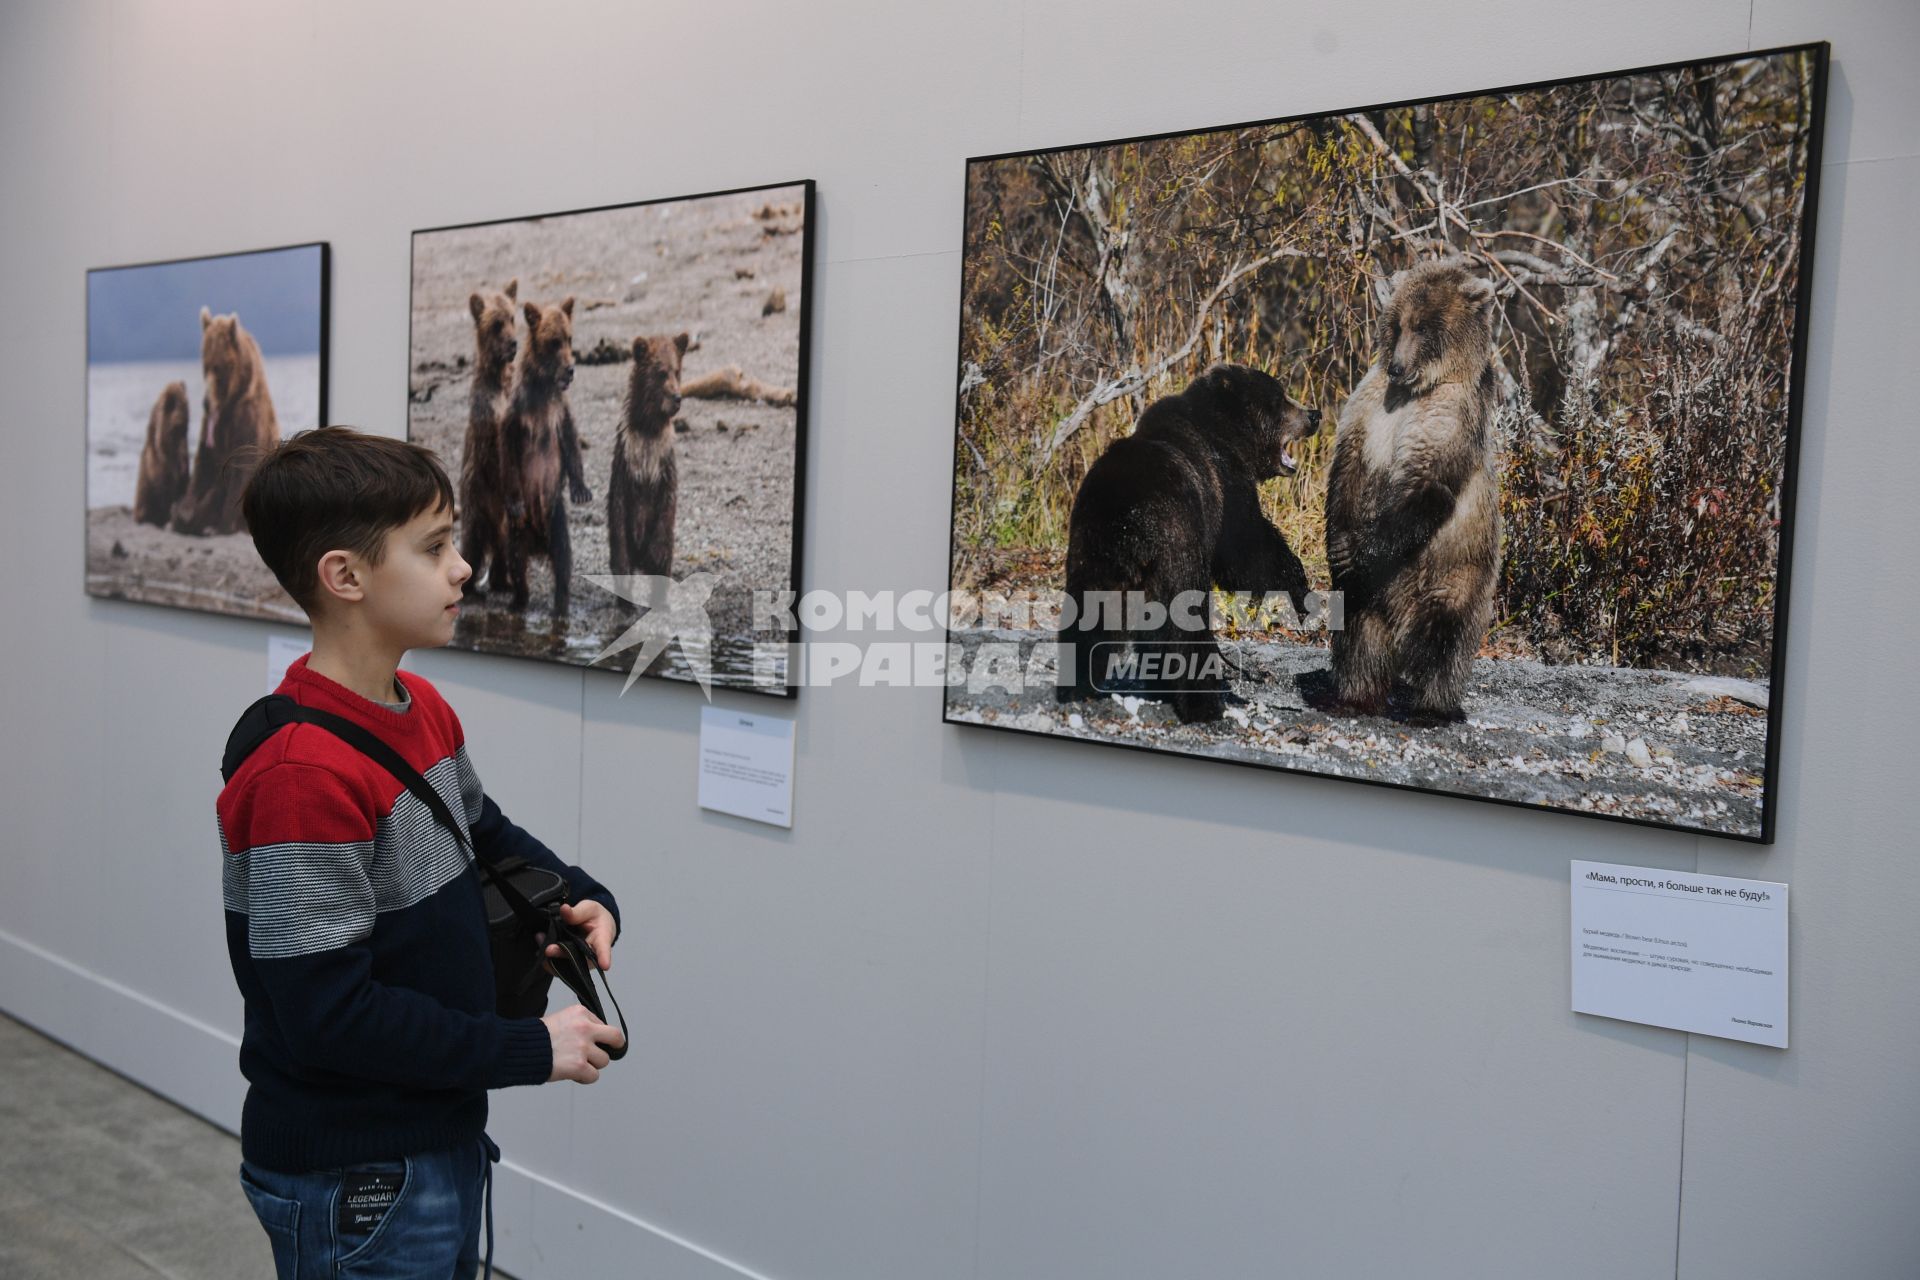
541 1228
178 1057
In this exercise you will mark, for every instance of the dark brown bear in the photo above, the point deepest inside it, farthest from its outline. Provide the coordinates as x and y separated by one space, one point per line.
643 489
540 449
163 459
1169 512
483 513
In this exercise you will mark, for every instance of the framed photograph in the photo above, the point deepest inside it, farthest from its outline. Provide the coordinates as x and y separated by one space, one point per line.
620 394
194 367
1446 445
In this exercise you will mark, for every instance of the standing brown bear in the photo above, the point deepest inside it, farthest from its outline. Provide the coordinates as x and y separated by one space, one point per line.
1169 512
643 490
237 427
163 459
539 449
483 513
1413 500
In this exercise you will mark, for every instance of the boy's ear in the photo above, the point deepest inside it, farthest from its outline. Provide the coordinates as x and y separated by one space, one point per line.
335 577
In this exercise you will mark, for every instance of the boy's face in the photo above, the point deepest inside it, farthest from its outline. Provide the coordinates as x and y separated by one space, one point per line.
413 595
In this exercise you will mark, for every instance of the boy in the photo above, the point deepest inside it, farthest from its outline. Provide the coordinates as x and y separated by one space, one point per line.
356 930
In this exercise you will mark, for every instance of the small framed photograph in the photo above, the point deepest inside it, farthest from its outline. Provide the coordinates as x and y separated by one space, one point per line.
195 368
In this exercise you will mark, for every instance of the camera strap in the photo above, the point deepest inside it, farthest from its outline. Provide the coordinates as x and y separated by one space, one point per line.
574 966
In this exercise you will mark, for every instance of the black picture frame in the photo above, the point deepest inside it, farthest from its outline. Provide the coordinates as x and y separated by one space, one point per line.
801 309
249 589
1817 55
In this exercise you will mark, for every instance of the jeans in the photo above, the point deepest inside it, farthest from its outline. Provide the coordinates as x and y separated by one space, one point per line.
393 1220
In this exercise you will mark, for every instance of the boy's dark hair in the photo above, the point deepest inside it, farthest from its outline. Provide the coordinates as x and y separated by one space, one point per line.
336 488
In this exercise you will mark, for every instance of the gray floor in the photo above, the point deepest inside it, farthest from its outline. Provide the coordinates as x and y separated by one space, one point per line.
101 1179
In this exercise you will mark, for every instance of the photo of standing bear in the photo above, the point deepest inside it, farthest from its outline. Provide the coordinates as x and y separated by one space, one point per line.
1552 527
1413 502
1173 510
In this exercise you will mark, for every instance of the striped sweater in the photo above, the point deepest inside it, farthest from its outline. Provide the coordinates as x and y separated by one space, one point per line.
358 938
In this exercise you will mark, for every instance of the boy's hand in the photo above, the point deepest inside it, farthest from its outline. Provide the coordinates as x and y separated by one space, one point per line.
594 921
577 1035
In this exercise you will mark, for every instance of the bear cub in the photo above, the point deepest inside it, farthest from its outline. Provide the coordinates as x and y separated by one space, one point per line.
1167 513
540 461
643 490
483 515
164 465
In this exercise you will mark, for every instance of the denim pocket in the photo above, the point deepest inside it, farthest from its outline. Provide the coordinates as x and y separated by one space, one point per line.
280 1217
370 1198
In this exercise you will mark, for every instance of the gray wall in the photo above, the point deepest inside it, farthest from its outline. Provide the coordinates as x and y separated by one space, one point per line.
996 1007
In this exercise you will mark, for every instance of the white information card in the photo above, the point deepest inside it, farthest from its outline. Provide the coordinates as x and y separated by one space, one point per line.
1675 949
746 765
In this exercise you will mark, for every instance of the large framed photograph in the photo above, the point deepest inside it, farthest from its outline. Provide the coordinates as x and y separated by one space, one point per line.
620 394
1446 445
195 368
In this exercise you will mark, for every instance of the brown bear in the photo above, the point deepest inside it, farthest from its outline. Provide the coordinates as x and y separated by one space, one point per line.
1168 512
539 450
163 459
237 427
643 489
483 513
1413 500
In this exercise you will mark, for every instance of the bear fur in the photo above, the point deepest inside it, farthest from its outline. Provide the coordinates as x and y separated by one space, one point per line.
483 511
1173 510
1413 500
237 427
163 459
643 489
539 451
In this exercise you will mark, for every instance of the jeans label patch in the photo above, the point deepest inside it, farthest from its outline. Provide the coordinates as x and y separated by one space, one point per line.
364 1201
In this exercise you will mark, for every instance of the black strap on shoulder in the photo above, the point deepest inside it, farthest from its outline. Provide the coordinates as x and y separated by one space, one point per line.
275 711
267 715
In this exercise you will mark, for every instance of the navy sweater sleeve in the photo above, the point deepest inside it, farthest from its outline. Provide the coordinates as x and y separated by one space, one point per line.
309 923
495 836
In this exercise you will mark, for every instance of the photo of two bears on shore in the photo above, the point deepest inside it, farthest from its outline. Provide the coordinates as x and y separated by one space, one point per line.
616 392
195 370
1443 445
